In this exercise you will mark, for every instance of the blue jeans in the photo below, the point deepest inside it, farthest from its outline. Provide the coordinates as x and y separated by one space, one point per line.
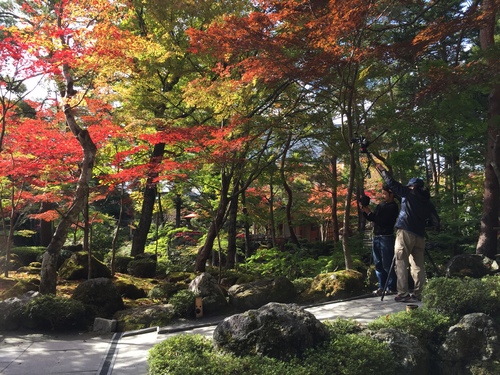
383 253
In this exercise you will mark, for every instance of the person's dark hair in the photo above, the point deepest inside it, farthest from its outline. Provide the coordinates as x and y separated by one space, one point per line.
387 188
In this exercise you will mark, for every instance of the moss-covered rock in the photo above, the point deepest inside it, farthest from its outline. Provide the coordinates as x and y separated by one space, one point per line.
143 267
334 285
121 263
76 267
101 294
128 290
257 293
144 317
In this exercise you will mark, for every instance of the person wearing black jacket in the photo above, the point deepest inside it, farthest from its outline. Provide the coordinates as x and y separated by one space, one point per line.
384 217
416 210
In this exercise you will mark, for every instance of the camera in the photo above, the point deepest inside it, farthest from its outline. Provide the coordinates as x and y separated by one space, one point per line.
363 143
364 200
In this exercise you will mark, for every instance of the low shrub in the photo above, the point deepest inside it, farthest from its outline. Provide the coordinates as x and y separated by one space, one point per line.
457 297
195 354
144 267
28 254
164 291
49 312
350 354
430 326
183 302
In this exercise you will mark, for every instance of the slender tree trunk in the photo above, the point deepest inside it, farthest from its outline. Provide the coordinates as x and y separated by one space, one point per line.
347 212
12 226
231 229
148 203
213 230
289 193
271 213
117 231
246 225
48 275
488 238
87 236
335 218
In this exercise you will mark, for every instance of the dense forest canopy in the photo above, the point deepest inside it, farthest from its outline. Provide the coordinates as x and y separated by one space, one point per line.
239 118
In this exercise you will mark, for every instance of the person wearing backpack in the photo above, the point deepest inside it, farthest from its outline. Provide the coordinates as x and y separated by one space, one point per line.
409 250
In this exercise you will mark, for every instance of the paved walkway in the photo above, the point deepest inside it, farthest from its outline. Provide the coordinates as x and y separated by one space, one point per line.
126 353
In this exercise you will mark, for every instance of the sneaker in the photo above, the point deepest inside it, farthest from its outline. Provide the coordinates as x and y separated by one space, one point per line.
378 292
389 292
403 298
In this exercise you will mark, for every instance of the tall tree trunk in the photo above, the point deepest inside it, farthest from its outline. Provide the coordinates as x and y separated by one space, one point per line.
117 231
335 218
488 237
148 203
347 211
246 224
205 251
231 228
48 274
271 213
289 193
13 222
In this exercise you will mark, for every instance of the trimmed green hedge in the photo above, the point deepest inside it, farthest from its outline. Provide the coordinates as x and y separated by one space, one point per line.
456 297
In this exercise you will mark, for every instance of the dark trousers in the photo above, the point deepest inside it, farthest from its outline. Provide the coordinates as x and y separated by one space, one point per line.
383 253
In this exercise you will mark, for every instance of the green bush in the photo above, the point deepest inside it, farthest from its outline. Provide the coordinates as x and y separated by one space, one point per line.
164 291
28 254
195 355
350 354
144 267
457 297
339 327
49 312
430 326
183 302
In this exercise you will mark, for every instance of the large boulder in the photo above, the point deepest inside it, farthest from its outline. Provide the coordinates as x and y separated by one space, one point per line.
129 290
413 358
76 267
470 265
473 342
101 294
274 330
334 285
144 266
213 298
257 293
